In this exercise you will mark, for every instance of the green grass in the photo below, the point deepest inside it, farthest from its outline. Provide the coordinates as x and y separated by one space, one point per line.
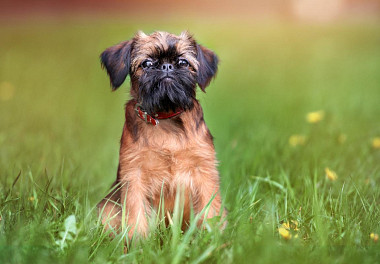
60 131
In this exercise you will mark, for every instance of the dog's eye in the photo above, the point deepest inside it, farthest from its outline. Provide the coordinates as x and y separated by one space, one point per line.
183 63
147 64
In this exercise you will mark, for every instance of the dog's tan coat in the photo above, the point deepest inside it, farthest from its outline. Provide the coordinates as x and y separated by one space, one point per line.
163 158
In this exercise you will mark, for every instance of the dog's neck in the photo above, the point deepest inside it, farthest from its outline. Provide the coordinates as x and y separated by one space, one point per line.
153 119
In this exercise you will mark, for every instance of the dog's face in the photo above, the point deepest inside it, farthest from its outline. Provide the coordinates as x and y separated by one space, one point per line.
164 69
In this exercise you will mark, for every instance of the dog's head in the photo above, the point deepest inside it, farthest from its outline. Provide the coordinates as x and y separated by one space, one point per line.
164 69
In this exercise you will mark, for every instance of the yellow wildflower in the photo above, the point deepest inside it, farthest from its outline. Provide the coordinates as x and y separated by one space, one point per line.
374 237
296 140
315 117
376 143
295 225
286 228
286 225
284 233
31 198
331 175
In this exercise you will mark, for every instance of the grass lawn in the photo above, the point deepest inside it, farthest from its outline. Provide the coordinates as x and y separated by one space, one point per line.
60 127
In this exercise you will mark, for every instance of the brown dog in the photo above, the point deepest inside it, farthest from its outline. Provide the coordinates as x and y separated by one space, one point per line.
165 145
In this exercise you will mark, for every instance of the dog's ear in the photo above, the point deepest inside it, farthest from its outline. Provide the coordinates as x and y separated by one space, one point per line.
117 61
208 66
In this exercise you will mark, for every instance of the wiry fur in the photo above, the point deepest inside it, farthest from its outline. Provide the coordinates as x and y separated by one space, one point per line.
157 95
179 152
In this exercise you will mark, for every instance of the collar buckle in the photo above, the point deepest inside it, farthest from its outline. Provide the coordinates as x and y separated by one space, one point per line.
145 116
159 115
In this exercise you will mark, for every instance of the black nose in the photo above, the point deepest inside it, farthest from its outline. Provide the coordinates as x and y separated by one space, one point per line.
167 67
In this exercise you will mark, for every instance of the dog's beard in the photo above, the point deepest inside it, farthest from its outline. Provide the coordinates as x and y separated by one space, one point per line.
163 92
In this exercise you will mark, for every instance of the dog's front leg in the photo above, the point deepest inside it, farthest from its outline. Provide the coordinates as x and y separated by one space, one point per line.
136 206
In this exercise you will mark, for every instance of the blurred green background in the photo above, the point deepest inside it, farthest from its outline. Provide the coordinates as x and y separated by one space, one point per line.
60 127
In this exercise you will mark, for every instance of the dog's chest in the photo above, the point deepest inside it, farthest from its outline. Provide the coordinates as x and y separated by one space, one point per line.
169 157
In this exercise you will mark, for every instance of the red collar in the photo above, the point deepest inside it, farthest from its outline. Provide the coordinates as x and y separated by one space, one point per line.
158 115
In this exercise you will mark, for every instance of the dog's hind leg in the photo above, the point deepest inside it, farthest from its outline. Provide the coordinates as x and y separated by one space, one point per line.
110 208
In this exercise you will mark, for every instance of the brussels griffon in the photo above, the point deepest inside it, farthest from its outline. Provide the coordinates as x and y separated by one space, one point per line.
166 145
